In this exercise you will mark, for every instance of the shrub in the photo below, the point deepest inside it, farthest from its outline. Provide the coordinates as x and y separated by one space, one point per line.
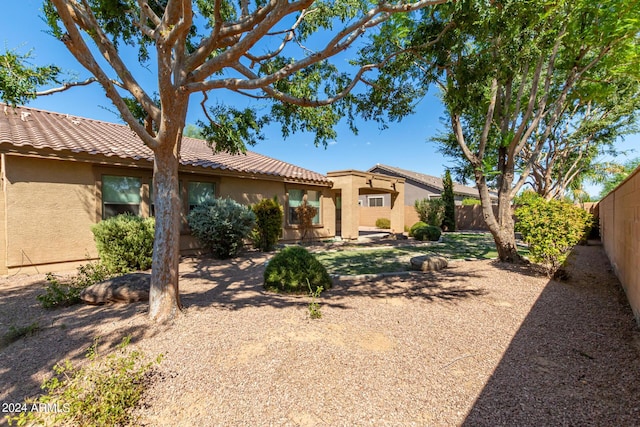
427 232
125 242
449 204
415 226
268 229
305 213
295 270
552 229
103 393
470 201
383 223
221 225
63 294
430 211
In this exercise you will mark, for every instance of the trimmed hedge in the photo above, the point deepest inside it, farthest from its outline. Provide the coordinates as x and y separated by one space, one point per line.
125 242
427 232
383 223
269 215
415 226
294 270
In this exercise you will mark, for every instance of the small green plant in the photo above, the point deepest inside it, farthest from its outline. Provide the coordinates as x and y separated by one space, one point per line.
551 228
292 269
314 305
63 294
125 242
470 201
102 393
415 226
269 215
16 333
427 232
383 223
221 226
431 211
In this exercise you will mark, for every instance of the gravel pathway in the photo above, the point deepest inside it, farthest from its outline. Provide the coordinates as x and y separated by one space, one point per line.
480 343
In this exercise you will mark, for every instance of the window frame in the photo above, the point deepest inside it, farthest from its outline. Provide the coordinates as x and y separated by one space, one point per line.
140 195
381 198
305 194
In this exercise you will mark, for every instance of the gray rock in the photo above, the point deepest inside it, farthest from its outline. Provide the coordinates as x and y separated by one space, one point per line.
128 288
428 263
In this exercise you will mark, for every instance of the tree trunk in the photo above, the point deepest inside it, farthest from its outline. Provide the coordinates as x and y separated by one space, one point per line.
164 299
503 227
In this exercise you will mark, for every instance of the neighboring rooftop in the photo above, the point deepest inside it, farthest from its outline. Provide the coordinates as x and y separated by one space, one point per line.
24 127
428 180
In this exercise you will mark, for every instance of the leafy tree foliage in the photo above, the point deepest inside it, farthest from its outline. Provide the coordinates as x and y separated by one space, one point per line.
620 173
512 76
263 50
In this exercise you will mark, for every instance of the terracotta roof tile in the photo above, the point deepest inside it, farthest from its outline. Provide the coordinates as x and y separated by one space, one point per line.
429 180
30 127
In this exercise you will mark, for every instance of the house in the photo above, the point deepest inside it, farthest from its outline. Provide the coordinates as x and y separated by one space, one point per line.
418 186
61 174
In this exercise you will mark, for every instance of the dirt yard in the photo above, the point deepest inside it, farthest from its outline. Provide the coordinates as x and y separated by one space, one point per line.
480 343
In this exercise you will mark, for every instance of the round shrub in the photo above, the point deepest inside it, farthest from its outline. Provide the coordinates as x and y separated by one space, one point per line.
221 225
125 242
294 270
383 223
427 232
268 229
415 226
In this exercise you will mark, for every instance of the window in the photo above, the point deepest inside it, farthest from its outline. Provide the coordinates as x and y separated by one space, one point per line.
120 194
376 201
296 198
200 192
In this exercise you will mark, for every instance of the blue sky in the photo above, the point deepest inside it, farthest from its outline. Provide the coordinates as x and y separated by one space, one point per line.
403 144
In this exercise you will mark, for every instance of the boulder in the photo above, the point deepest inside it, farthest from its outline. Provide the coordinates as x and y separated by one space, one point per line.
128 288
428 263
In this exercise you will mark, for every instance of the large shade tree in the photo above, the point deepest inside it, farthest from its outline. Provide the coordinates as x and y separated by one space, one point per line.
262 49
511 74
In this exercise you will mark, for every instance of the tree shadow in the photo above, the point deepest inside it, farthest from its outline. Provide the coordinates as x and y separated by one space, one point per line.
60 334
237 283
565 365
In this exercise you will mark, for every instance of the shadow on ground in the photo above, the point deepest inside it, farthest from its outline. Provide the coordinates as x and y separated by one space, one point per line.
59 334
545 378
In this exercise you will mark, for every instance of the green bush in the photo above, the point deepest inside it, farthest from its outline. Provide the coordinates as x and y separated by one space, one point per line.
101 393
430 211
295 270
470 201
125 242
415 226
427 232
63 294
552 229
268 229
383 223
221 225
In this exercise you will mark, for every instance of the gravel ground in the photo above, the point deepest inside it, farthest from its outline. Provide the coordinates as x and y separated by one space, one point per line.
480 343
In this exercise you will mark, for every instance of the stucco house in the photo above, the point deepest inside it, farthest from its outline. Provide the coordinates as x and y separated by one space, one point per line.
61 174
418 186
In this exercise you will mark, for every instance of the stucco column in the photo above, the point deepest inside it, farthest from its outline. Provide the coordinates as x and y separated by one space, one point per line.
397 209
350 209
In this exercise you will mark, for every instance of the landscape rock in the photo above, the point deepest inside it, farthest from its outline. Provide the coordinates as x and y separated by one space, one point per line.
128 288
428 263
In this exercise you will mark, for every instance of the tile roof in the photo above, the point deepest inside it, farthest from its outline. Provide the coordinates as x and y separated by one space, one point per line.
38 129
429 180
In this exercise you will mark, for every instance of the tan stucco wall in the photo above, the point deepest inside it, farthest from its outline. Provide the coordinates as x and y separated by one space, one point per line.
50 207
620 233
3 220
369 215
